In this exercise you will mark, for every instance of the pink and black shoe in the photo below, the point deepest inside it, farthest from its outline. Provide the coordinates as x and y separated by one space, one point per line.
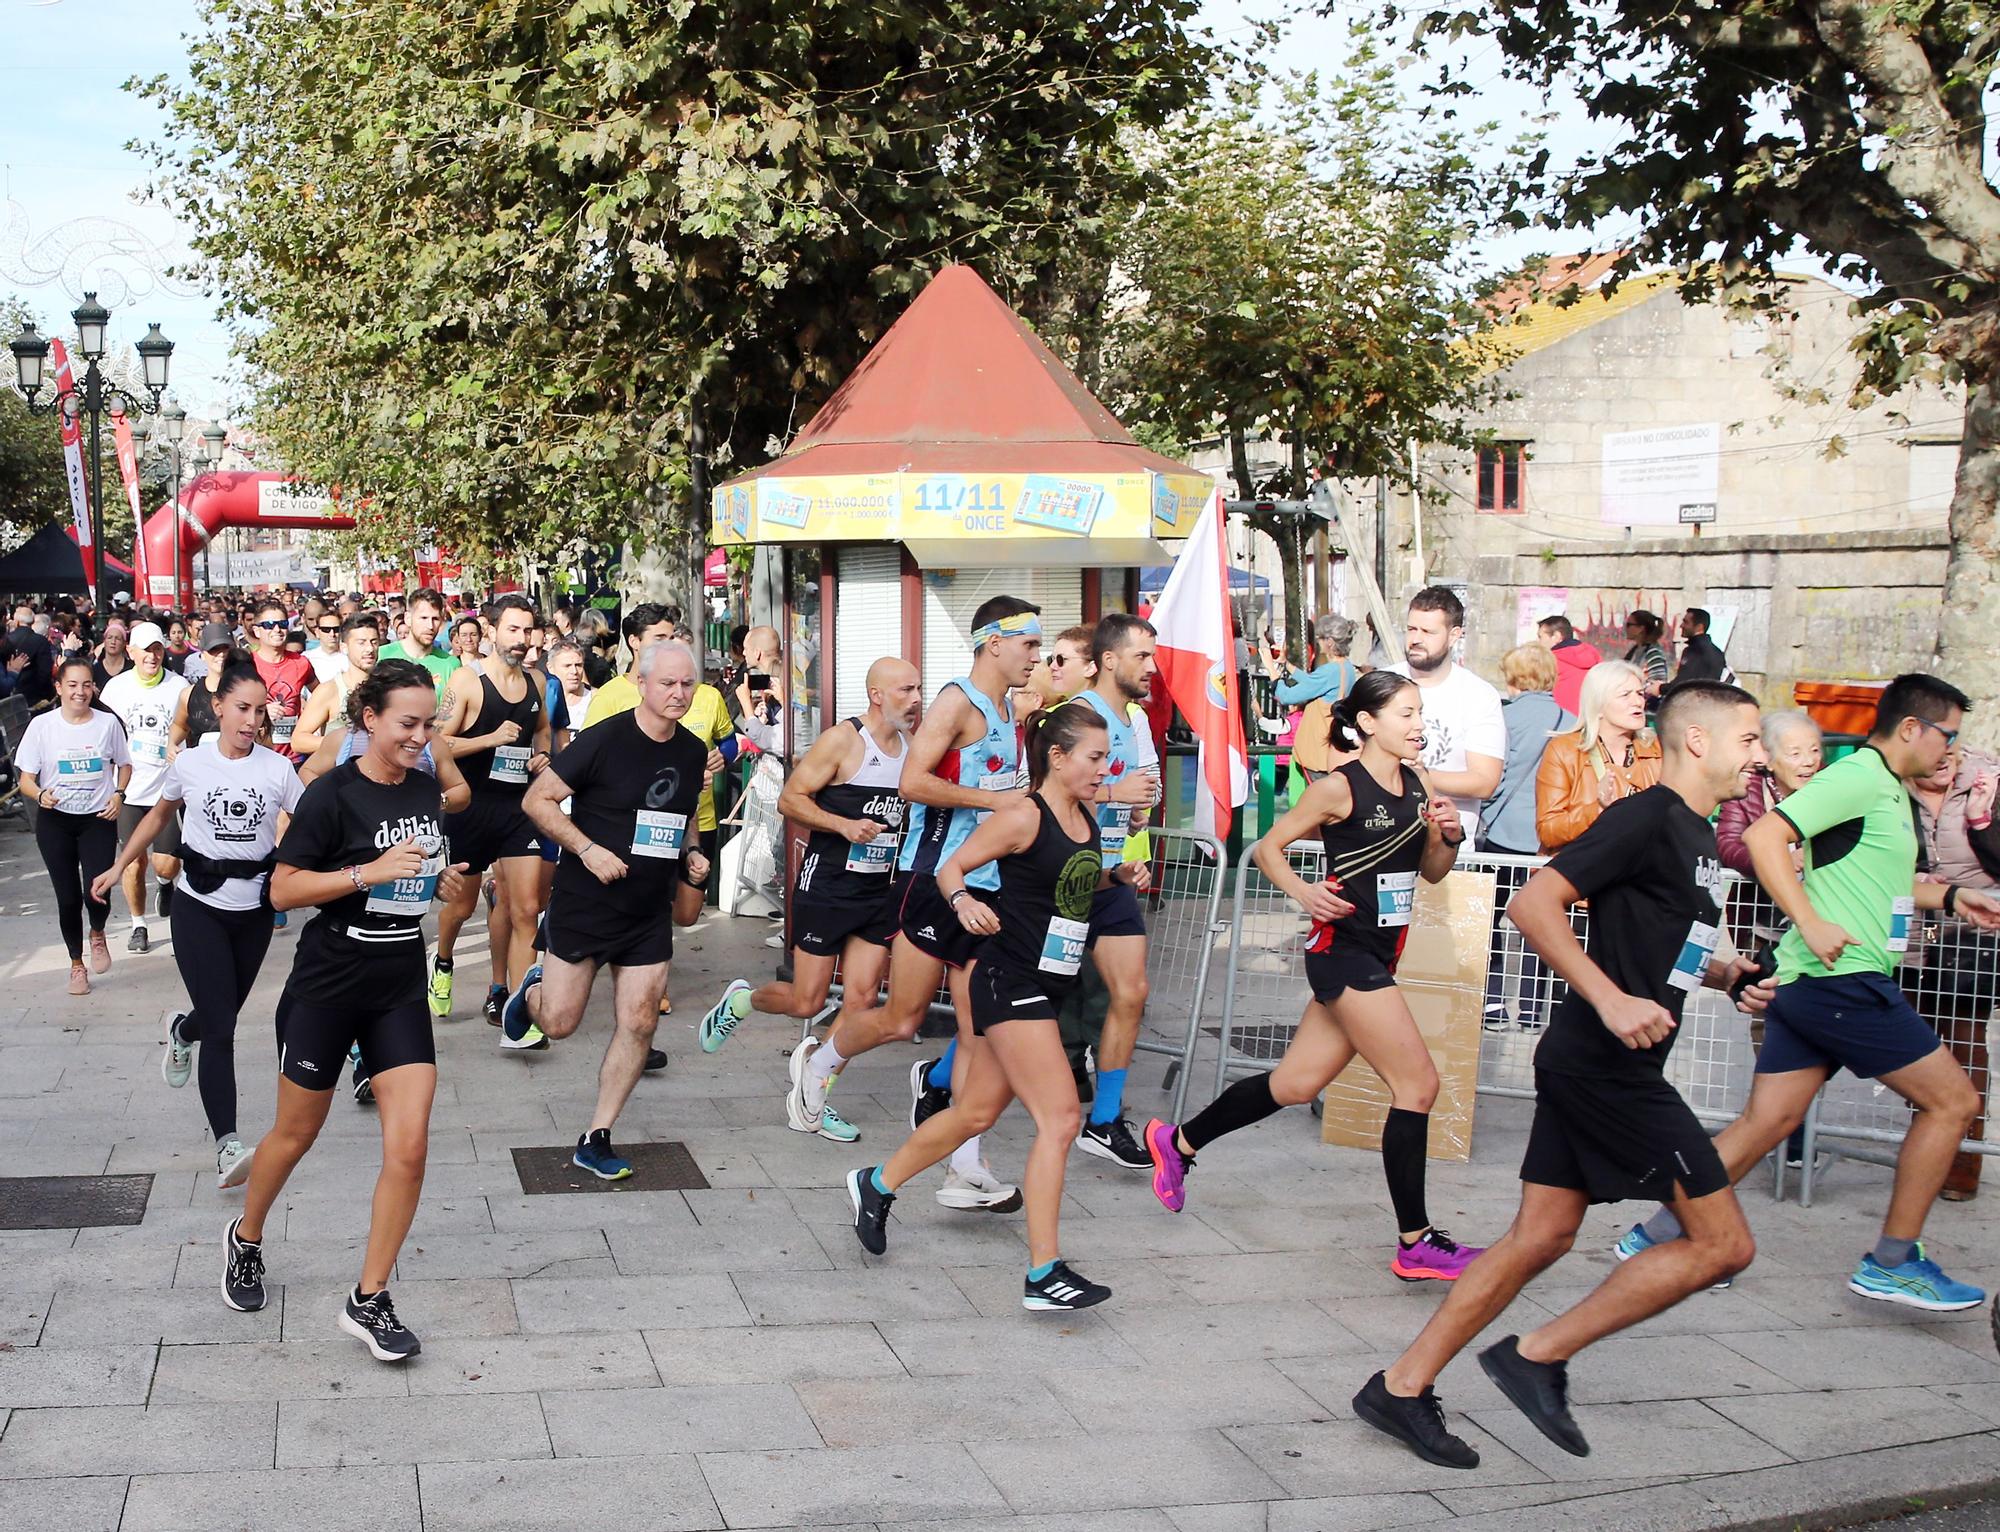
1170 1164
1435 1257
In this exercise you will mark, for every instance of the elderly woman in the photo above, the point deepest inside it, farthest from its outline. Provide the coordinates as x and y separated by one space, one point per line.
1792 740
1507 821
1612 755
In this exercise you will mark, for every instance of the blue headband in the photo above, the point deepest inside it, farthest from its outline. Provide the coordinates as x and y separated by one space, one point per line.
1018 625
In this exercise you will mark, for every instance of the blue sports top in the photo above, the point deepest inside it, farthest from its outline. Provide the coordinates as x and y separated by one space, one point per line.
992 763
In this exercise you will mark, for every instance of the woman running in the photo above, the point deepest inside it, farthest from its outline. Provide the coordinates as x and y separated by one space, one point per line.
236 794
1380 836
365 845
74 765
195 721
1034 927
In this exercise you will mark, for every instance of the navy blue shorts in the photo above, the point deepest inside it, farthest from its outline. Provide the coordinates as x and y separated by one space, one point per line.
1860 1022
1114 911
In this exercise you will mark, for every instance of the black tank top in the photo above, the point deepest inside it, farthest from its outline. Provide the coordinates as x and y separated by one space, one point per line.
1374 854
833 866
201 719
1043 902
503 770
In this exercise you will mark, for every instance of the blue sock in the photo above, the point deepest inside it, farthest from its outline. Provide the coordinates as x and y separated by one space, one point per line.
1036 1273
875 1180
940 1076
1109 1101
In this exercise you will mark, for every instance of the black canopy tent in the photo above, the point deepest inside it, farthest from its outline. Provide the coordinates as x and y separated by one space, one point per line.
49 564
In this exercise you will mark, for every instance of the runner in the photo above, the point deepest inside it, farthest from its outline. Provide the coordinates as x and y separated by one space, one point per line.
287 676
423 617
74 764
146 698
360 639
844 903
1607 1124
366 845
1837 1006
238 794
1122 651
194 715
633 782
1030 935
1382 829
494 723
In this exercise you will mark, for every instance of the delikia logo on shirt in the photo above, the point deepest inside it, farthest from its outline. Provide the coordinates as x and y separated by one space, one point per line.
410 826
887 807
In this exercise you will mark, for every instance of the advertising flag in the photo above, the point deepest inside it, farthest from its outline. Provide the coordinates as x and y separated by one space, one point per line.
72 445
1197 656
128 470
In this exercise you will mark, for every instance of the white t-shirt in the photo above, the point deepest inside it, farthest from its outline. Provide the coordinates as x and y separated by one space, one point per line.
229 811
79 761
1461 717
148 714
326 666
195 667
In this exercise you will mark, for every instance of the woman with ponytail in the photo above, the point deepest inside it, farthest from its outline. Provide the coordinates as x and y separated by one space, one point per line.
1382 828
1030 936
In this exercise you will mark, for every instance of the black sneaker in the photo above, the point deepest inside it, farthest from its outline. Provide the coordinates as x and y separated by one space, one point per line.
137 941
926 1099
1062 1289
656 1059
364 1089
1539 1390
375 1325
1113 1141
496 996
165 899
1417 1423
243 1273
871 1210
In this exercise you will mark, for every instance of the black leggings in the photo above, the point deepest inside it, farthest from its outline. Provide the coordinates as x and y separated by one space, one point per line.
73 844
218 953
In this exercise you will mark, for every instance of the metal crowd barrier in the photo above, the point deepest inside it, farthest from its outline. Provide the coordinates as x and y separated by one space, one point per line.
1183 932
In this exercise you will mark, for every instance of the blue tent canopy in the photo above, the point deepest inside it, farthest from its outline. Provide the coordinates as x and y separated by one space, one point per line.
1241 581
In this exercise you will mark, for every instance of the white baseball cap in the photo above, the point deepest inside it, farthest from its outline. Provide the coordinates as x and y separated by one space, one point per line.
145 635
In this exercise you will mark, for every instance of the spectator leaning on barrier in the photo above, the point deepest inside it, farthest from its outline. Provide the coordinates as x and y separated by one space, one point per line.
1611 755
1507 821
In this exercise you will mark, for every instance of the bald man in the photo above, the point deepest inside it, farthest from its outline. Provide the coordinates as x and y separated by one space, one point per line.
847 899
762 706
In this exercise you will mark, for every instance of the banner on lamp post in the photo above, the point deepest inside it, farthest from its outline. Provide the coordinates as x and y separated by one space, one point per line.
128 471
72 445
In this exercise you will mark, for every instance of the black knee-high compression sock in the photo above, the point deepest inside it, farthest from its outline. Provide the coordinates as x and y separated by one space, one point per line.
1405 1137
1245 1102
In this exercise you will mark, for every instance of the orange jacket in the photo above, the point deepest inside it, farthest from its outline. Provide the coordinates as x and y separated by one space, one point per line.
1566 801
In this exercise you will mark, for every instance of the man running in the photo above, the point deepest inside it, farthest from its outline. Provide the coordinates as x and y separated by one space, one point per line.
423 618
326 708
633 782
493 723
845 903
287 676
1608 1125
145 696
1837 1005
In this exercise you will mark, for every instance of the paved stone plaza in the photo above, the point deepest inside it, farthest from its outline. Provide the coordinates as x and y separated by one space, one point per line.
730 1358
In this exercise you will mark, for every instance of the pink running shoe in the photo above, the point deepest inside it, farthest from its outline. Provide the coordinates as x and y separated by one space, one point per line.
1435 1257
1170 1166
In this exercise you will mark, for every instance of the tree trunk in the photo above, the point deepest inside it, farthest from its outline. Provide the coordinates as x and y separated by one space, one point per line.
1239 464
1289 535
1966 653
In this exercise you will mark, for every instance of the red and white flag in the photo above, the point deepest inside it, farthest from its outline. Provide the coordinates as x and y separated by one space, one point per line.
128 471
72 445
1197 656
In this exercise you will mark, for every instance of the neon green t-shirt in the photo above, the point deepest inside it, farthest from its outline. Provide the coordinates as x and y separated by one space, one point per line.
439 665
1860 835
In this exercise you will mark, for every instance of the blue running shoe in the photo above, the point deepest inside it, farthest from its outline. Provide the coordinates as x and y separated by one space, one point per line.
723 1016
595 1154
836 1127
1636 1240
1916 1284
517 1029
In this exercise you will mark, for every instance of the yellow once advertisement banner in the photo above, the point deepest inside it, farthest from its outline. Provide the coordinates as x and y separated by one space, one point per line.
899 507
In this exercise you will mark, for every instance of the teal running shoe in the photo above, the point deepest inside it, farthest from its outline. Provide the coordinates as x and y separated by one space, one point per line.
836 1127
1917 1283
724 1015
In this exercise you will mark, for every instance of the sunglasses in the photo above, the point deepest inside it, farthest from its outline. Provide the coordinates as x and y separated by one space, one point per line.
330 627
268 624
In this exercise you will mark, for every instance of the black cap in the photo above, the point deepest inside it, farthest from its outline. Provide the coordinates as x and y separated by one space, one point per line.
216 635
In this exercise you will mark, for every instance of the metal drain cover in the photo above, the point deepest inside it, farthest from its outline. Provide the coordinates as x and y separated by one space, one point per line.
72 1202
664 1167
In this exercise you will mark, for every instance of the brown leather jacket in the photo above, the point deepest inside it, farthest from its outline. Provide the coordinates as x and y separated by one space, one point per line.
1566 801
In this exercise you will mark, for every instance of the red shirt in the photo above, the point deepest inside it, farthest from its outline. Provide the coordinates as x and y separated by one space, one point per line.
287 680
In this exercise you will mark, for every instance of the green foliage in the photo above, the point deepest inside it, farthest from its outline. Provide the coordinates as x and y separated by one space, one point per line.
523 271
33 488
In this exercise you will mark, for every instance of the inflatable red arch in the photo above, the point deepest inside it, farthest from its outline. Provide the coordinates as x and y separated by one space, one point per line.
175 533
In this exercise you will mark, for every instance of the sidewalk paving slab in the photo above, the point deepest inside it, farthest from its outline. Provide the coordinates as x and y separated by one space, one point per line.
380 1499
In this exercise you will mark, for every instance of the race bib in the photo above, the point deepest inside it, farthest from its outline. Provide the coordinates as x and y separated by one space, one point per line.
78 773
1113 821
510 763
282 727
995 782
409 897
1394 893
150 748
658 834
877 855
1691 967
1901 912
1062 947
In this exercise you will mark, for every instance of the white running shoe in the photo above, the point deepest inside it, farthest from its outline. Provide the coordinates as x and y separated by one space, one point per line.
980 1192
806 1099
232 1162
178 1062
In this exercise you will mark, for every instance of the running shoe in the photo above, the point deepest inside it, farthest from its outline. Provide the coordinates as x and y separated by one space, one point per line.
1113 1141
232 1162
805 1099
1435 1257
981 1192
373 1322
178 1062
1917 1283
1170 1164
1062 1289
79 978
100 953
516 1024
926 1099
364 1089
1418 1423
595 1154
871 1210
277 920
724 1015
242 1272
1493 1019
439 993
1636 1239
163 897
656 1058
1539 1390
496 997
836 1127
137 941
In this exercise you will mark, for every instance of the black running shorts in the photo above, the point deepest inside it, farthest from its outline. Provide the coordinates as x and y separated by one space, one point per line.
822 923
1337 970
575 937
166 843
1114 911
931 925
1002 994
492 827
1618 1138
313 1040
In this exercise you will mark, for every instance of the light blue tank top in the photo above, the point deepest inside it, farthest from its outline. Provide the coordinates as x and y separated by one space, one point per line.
1114 819
992 762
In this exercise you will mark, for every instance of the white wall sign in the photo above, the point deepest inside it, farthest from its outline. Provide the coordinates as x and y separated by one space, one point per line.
1650 475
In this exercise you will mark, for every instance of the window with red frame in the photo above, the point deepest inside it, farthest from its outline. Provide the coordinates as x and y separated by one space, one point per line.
1503 477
